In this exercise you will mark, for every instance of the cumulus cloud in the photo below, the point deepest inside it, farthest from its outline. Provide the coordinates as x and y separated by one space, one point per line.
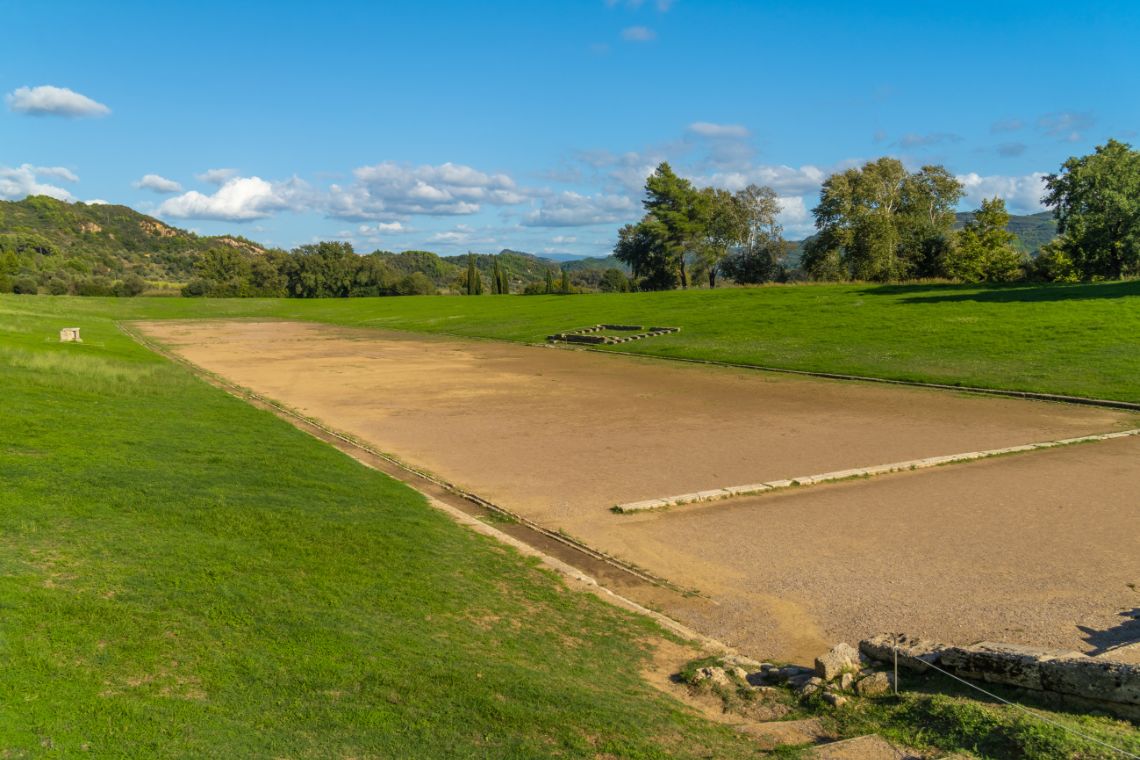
25 180
714 131
239 199
638 34
785 180
47 100
158 184
1065 125
55 172
571 209
216 176
388 190
1021 194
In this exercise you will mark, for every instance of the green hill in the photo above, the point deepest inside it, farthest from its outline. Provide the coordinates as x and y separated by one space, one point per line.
53 245
41 235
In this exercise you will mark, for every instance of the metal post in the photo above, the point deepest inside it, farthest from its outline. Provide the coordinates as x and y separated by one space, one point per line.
896 684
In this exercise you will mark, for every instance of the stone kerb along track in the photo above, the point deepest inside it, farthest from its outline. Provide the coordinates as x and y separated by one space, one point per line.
588 335
718 494
1097 682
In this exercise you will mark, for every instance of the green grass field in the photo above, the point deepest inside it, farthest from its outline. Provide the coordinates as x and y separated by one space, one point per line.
1075 339
182 575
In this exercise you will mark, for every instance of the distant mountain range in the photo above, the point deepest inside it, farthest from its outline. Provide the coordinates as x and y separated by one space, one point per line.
42 234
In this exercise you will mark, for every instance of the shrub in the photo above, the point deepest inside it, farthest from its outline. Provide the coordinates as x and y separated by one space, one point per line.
57 286
416 284
94 286
196 288
25 286
130 286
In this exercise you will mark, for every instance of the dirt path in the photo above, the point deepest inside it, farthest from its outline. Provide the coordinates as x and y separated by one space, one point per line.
561 436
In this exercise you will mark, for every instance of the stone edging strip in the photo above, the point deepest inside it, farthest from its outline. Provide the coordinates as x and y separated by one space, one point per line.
718 494
585 336
1031 395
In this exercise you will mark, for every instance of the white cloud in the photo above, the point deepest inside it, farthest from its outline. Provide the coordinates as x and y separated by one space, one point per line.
97 202
564 239
638 34
55 172
47 100
570 209
158 184
1021 194
239 199
450 237
216 176
785 180
715 131
24 180
388 190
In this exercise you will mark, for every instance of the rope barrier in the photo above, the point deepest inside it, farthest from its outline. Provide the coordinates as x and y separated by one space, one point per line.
1027 711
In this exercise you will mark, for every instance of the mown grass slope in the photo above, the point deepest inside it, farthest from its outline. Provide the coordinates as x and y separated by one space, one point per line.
182 575
1072 339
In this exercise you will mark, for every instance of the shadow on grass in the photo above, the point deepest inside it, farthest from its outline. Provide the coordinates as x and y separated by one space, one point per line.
1007 293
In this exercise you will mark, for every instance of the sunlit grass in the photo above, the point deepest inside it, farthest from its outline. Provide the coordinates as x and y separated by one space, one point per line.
182 575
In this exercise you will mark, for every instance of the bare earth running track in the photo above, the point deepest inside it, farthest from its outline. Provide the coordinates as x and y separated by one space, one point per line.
1023 548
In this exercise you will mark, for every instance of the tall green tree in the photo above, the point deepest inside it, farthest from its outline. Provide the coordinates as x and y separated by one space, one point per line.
643 249
474 280
321 270
724 228
985 250
549 282
497 278
564 288
673 231
1096 201
926 216
881 223
680 210
759 254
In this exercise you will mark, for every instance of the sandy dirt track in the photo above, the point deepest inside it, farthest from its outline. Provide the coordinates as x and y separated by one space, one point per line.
1019 548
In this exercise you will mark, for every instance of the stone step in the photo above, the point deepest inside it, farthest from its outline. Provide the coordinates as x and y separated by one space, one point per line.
868 747
778 733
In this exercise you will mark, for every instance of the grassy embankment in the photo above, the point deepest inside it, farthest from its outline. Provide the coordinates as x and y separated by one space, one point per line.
1076 339
184 575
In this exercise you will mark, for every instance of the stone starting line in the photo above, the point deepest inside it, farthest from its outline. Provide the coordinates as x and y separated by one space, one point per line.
719 494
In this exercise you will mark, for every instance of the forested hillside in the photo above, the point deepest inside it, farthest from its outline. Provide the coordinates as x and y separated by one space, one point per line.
53 246
45 234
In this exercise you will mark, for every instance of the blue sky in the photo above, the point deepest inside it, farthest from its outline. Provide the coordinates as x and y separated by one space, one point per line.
459 126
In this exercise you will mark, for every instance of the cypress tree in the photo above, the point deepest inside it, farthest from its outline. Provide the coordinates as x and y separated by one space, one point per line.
565 281
497 281
549 282
472 274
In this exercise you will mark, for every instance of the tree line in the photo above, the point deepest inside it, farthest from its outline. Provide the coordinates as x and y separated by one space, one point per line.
882 223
